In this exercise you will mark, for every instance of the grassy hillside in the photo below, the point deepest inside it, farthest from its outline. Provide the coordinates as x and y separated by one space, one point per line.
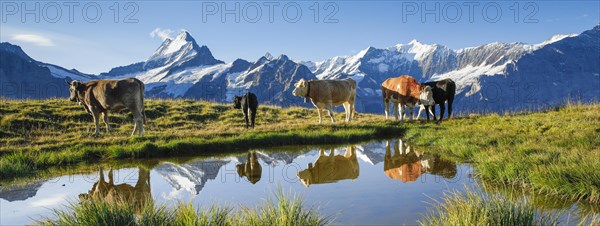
555 152
37 134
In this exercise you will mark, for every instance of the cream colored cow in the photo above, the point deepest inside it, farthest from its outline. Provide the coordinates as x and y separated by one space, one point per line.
326 94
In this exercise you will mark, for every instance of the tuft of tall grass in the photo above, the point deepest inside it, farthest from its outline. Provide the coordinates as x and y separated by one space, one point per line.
282 211
479 208
279 211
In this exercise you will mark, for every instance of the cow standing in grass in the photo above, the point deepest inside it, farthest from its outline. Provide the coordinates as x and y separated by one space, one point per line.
443 92
326 94
249 104
101 96
402 92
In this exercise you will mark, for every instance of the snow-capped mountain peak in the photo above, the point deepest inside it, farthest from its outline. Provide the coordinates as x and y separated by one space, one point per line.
554 39
283 57
183 42
415 48
268 56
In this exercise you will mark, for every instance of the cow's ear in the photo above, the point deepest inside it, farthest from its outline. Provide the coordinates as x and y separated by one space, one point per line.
80 86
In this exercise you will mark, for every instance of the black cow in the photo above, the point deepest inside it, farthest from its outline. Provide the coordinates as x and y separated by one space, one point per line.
443 91
248 103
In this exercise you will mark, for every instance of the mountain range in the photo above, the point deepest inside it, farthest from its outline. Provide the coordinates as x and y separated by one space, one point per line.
495 77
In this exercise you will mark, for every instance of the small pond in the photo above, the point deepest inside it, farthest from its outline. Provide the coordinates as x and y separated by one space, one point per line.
384 182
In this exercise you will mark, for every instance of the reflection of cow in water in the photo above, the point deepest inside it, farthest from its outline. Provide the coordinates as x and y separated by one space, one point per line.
407 165
138 195
328 169
251 169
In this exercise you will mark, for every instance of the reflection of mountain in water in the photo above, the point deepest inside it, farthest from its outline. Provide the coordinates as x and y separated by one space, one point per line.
20 192
372 152
190 176
282 157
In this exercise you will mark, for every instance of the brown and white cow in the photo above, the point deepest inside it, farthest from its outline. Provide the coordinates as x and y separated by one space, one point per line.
402 164
404 91
325 94
101 96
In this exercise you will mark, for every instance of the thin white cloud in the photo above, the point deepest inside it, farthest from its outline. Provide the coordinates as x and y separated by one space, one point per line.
582 16
161 33
34 39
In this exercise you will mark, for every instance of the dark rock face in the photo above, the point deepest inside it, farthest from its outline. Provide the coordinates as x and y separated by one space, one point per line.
273 81
22 78
564 70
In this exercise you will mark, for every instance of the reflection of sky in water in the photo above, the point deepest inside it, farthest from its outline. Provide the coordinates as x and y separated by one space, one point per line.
371 198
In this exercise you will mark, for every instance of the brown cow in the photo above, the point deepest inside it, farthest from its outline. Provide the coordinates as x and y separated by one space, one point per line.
138 195
403 165
101 96
325 94
404 91
408 165
332 168
251 169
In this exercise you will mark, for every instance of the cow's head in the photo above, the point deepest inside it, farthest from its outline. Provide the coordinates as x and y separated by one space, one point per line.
76 89
306 175
237 102
301 88
426 96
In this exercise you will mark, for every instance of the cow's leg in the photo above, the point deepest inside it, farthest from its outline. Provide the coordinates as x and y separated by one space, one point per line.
400 109
331 112
351 110
141 122
421 108
432 111
320 111
246 119
96 116
135 126
110 176
138 120
427 110
450 108
386 105
395 109
412 111
442 109
253 117
105 119
347 111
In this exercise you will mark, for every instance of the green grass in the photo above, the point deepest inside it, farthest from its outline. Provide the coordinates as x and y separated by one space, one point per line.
279 211
555 152
476 208
39 134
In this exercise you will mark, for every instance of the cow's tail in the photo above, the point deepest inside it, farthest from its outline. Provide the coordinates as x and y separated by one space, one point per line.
142 99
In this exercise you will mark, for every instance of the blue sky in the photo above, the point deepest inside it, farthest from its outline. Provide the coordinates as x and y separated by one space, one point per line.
96 46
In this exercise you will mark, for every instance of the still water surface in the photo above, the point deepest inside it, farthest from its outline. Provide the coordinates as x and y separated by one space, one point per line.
385 182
